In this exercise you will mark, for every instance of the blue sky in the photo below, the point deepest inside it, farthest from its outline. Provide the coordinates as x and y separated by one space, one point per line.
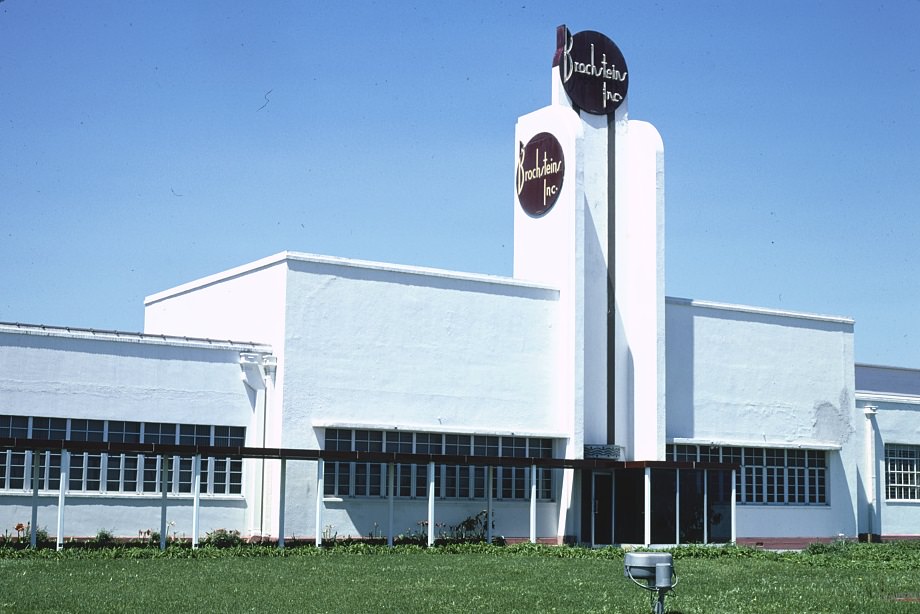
146 144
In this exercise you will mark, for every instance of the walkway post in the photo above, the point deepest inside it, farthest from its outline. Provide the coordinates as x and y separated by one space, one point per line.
489 520
65 477
391 481
734 494
33 537
648 506
533 504
196 498
320 489
281 496
431 504
164 476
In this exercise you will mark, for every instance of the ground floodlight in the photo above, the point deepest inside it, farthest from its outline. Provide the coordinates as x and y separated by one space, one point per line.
657 569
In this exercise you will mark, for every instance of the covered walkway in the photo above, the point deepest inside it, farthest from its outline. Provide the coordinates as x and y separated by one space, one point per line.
682 502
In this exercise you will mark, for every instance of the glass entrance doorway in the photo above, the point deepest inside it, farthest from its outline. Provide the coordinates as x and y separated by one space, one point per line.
685 505
602 516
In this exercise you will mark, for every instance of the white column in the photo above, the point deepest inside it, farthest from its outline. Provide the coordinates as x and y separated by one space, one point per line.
281 495
533 504
33 538
489 504
391 494
869 411
734 534
196 497
320 488
65 477
430 504
164 474
648 506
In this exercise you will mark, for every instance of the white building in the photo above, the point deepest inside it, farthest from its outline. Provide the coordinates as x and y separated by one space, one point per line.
579 357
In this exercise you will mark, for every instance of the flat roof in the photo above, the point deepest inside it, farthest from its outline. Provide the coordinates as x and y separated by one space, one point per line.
73 332
286 256
865 365
801 315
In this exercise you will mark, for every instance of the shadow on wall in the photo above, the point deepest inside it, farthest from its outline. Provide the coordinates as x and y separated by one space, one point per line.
679 366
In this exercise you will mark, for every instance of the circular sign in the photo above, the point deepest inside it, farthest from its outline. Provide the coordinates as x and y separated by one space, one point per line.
593 72
540 169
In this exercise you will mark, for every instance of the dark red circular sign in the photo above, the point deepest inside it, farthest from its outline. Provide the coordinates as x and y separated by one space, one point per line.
593 71
539 171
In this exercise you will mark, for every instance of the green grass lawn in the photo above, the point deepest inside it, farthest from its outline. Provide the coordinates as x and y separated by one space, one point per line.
853 579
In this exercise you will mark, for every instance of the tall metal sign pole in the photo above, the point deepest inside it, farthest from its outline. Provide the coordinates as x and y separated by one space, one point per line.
594 75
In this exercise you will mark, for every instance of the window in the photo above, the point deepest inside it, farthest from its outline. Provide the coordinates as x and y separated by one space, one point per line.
816 476
49 463
513 479
122 469
227 477
773 476
17 471
457 477
401 442
902 472
710 454
484 445
119 473
427 443
542 448
193 435
368 476
734 455
797 479
49 428
155 432
337 476
86 467
451 481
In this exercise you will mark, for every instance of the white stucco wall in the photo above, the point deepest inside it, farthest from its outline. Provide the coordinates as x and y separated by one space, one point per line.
86 377
549 250
392 348
567 248
372 345
757 377
384 347
641 370
245 303
117 376
894 395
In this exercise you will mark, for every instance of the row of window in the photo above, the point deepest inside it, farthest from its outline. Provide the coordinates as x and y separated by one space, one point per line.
767 475
348 479
120 473
902 472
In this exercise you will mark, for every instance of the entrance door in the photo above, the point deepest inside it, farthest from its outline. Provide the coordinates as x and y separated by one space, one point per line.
602 518
630 502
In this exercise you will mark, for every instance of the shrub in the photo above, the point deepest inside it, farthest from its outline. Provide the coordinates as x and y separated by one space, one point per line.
41 535
104 538
222 538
